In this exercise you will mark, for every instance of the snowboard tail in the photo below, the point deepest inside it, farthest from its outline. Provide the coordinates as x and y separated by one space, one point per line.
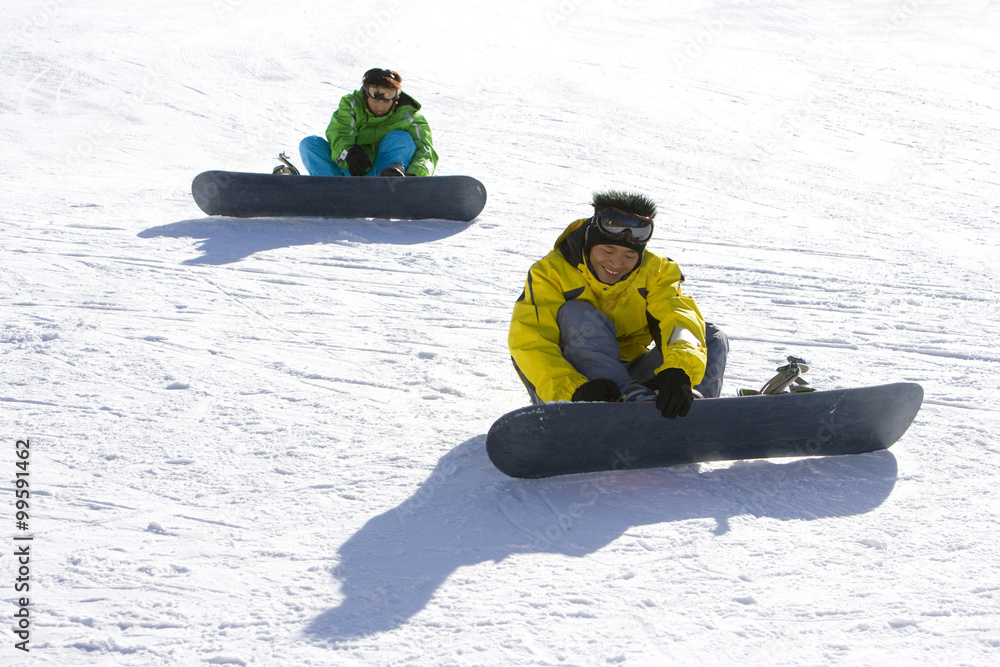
565 438
248 195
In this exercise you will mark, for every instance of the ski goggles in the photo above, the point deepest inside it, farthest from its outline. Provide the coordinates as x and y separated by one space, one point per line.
618 225
381 92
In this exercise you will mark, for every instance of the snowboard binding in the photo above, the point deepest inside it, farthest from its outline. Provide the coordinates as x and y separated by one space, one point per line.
789 377
287 168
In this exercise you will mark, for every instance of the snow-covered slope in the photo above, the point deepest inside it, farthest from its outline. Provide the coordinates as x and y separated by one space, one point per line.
261 441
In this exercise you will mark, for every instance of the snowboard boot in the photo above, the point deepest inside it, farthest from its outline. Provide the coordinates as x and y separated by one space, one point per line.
393 170
287 168
636 393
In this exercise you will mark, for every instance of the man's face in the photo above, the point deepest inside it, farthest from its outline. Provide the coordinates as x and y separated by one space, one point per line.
380 99
612 262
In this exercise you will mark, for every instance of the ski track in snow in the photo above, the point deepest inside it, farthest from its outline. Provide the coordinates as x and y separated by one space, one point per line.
262 441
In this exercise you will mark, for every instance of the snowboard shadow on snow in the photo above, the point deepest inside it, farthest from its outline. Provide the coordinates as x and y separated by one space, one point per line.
223 240
468 513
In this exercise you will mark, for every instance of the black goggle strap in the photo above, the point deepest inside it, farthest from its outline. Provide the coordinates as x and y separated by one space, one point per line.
617 224
379 73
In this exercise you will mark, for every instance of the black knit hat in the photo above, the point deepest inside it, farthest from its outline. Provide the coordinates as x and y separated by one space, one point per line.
625 202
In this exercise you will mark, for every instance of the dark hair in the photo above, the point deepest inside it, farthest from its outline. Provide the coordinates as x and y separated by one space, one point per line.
629 202
382 77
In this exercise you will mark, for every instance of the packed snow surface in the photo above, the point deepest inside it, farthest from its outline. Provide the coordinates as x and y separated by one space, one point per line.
261 441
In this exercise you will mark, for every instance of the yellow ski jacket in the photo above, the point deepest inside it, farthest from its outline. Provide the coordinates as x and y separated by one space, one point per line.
645 306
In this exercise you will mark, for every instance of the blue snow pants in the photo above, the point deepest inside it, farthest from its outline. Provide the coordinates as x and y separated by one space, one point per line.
396 147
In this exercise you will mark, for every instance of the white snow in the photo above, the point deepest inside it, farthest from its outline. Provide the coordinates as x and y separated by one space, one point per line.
259 442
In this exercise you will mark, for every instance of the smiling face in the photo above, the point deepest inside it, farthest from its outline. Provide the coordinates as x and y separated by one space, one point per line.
612 262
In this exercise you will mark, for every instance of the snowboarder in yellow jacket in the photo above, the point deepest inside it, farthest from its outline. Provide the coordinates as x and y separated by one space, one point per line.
591 308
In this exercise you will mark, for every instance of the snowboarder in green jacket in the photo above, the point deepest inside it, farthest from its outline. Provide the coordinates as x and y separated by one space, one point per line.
377 130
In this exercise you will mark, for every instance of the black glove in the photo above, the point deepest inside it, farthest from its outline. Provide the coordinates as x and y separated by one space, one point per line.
358 162
601 390
675 397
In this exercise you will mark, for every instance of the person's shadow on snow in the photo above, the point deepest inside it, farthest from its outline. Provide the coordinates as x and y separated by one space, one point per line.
225 240
468 513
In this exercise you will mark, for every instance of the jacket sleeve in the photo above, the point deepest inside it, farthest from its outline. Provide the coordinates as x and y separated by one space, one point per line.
534 337
342 132
676 323
425 158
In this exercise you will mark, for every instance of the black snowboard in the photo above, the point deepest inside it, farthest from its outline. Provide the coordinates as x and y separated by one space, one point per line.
246 195
564 438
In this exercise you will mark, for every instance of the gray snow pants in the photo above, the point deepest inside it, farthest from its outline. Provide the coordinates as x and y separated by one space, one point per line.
589 341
